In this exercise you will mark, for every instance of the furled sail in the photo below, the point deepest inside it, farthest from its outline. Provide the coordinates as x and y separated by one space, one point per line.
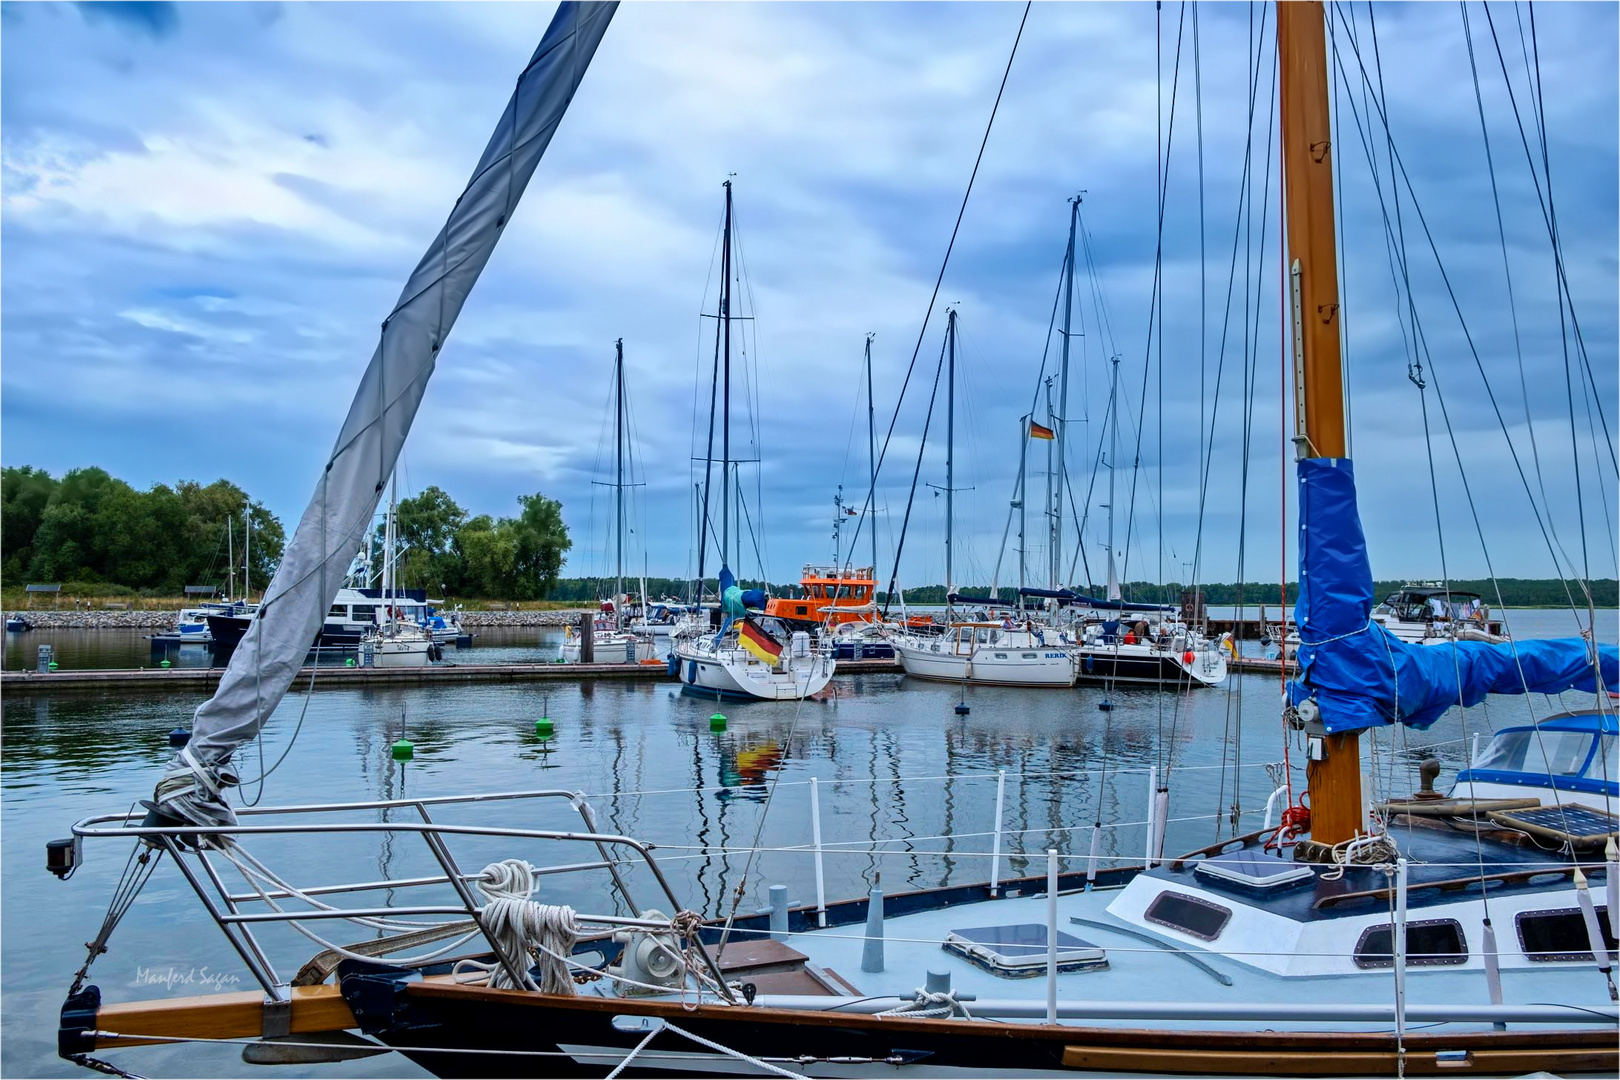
1360 674
339 515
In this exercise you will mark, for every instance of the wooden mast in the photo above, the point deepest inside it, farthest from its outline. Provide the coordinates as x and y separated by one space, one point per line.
1335 780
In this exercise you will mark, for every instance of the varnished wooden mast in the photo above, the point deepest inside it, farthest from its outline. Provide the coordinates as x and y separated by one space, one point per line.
1307 154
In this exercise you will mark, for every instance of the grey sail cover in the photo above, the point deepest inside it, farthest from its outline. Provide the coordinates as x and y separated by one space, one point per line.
346 494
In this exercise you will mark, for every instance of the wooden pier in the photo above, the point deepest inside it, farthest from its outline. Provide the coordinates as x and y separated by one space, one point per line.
206 679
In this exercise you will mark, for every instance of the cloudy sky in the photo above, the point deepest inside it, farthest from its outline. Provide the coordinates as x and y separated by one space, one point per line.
208 209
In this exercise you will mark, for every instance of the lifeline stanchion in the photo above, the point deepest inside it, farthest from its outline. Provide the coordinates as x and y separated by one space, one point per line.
995 844
1051 934
815 837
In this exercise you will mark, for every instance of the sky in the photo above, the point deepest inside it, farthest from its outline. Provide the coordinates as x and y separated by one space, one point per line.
208 209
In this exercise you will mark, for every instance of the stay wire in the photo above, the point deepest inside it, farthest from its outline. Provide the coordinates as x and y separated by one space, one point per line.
1473 348
871 493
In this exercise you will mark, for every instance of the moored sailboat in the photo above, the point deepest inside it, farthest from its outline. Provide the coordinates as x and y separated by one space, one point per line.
744 655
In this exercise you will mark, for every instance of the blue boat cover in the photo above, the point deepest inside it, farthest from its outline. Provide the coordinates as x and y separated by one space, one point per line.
1363 676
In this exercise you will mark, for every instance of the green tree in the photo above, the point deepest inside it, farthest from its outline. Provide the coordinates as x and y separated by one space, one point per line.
427 524
543 545
24 493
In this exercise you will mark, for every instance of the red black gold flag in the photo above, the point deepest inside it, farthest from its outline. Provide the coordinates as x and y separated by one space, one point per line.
758 642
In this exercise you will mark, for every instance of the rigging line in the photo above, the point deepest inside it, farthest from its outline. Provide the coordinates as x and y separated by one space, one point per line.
1154 304
1234 688
871 493
1563 333
1490 393
900 544
1206 449
1546 216
1501 233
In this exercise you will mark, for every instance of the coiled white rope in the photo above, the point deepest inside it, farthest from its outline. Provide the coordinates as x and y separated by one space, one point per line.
520 927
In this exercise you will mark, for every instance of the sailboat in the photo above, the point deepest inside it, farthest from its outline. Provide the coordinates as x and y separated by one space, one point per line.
1424 935
749 654
395 640
997 653
612 642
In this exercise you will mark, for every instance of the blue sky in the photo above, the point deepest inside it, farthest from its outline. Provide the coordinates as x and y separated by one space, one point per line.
208 209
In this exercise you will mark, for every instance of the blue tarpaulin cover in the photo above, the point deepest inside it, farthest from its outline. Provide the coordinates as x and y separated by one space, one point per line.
1360 674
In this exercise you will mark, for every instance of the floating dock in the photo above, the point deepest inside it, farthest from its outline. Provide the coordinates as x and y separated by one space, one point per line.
23 682
327 677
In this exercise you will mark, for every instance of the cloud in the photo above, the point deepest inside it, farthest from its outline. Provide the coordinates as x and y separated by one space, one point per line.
205 224
154 18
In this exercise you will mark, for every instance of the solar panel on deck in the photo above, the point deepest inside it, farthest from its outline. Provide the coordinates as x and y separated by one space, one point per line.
1020 949
1571 822
1254 869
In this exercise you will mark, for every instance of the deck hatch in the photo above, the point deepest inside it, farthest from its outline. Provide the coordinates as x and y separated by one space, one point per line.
1253 869
1560 934
1193 915
1019 950
1429 943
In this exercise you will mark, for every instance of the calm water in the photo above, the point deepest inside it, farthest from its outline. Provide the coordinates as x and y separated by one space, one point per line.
881 747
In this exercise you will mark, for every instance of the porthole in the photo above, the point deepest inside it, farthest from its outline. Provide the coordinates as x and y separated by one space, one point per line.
1429 943
1560 934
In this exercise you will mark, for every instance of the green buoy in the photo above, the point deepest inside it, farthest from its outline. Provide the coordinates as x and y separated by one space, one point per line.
53 665
164 664
717 722
544 728
404 750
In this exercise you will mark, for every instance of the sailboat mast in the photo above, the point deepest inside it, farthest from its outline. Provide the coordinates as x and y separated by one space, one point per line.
1319 427
725 425
230 557
950 448
247 549
871 460
618 479
1063 403
1113 455
1051 473
1023 499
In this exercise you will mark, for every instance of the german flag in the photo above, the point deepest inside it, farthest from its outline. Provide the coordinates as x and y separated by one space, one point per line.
1040 431
757 641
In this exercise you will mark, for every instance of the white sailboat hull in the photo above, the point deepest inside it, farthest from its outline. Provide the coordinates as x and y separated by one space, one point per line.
1120 663
400 652
735 672
993 664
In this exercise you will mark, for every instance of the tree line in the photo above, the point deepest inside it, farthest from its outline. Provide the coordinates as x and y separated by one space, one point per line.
89 528
448 552
1514 592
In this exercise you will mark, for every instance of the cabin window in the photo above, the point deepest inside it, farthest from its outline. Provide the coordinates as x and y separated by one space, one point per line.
1429 942
1189 914
1560 934
339 611
1560 753
803 609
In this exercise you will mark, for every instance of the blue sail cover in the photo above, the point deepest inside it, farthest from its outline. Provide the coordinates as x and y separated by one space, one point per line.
1363 676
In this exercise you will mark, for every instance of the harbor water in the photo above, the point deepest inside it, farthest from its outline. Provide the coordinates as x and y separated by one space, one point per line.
906 787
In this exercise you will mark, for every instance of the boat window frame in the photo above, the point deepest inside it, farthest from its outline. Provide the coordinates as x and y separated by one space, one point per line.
1380 961
1579 956
1199 901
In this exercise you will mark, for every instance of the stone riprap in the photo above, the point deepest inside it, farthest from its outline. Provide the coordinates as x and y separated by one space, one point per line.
99 620
165 620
